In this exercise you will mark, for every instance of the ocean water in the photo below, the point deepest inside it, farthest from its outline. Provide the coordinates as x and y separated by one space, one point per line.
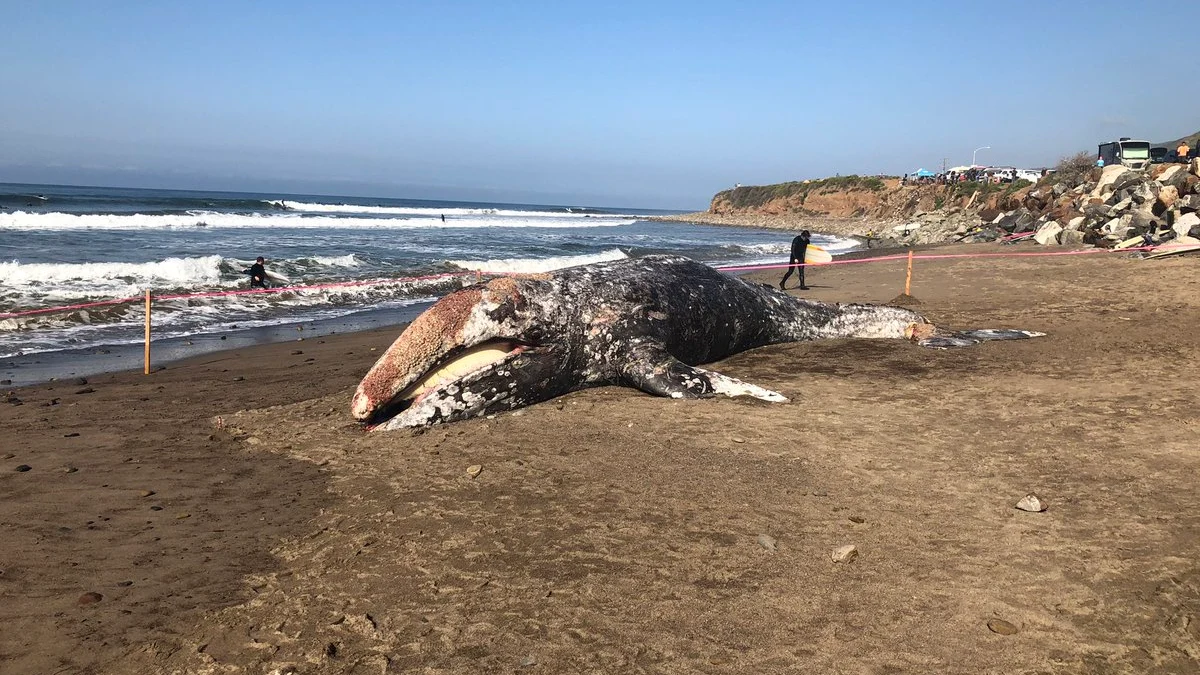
73 245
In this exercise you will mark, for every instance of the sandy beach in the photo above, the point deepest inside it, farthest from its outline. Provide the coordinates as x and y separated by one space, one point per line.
226 515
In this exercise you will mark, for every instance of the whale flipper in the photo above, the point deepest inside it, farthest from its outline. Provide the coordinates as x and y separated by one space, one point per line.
656 372
731 386
966 338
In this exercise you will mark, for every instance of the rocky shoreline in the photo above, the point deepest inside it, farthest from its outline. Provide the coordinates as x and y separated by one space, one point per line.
934 227
1093 207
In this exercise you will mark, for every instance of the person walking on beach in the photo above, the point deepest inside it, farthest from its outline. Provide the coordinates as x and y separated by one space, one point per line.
258 273
796 262
1182 151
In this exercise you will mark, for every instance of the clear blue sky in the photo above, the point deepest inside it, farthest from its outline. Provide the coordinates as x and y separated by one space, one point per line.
654 104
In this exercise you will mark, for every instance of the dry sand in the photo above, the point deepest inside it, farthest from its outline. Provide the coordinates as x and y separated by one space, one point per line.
614 532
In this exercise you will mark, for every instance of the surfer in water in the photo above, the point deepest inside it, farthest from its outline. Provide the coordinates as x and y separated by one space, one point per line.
258 273
796 262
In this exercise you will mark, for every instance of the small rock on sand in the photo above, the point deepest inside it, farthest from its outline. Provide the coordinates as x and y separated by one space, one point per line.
80 381
86 390
1031 502
844 554
767 541
1001 626
73 434
474 470
297 352
89 598
146 493
8 455
23 468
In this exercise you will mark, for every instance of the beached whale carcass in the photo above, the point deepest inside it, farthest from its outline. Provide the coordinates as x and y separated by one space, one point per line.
646 323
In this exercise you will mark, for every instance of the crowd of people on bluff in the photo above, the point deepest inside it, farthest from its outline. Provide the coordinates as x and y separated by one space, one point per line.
974 174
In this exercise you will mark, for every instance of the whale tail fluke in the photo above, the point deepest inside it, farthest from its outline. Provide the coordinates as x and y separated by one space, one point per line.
966 338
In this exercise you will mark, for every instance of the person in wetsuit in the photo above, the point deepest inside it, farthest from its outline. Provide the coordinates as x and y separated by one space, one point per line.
796 262
258 273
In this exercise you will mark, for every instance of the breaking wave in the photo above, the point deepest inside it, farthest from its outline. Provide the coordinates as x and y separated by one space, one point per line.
111 279
23 220
449 212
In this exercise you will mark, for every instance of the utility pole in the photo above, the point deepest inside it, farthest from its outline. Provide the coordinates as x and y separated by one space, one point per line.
944 164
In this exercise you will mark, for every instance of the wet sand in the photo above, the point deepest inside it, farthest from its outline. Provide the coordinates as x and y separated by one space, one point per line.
229 516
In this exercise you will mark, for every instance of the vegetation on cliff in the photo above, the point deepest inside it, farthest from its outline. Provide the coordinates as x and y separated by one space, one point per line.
754 196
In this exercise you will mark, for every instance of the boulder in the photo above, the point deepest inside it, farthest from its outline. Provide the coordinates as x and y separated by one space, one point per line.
1020 220
1076 223
1168 196
1189 203
1178 179
1123 205
1107 177
1140 221
1129 179
1098 211
1164 176
1142 194
1196 167
1070 238
1048 234
1184 224
1190 186
1073 238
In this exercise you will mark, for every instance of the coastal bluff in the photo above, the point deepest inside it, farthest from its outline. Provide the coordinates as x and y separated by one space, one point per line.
852 205
1077 204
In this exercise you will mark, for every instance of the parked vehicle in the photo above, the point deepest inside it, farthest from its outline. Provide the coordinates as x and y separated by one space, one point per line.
1159 155
1126 152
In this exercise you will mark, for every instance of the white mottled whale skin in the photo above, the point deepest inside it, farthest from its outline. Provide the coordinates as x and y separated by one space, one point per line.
645 322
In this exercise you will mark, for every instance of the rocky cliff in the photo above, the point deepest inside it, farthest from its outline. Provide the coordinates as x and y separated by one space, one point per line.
884 199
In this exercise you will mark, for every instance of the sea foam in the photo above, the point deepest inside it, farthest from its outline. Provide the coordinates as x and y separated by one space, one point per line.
449 212
103 277
23 220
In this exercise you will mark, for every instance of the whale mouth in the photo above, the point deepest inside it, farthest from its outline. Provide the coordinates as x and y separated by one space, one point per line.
454 367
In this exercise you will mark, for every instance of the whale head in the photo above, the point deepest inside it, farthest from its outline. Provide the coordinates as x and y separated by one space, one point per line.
486 348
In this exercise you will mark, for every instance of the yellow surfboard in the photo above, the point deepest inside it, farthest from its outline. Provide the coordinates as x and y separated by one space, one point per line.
815 255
